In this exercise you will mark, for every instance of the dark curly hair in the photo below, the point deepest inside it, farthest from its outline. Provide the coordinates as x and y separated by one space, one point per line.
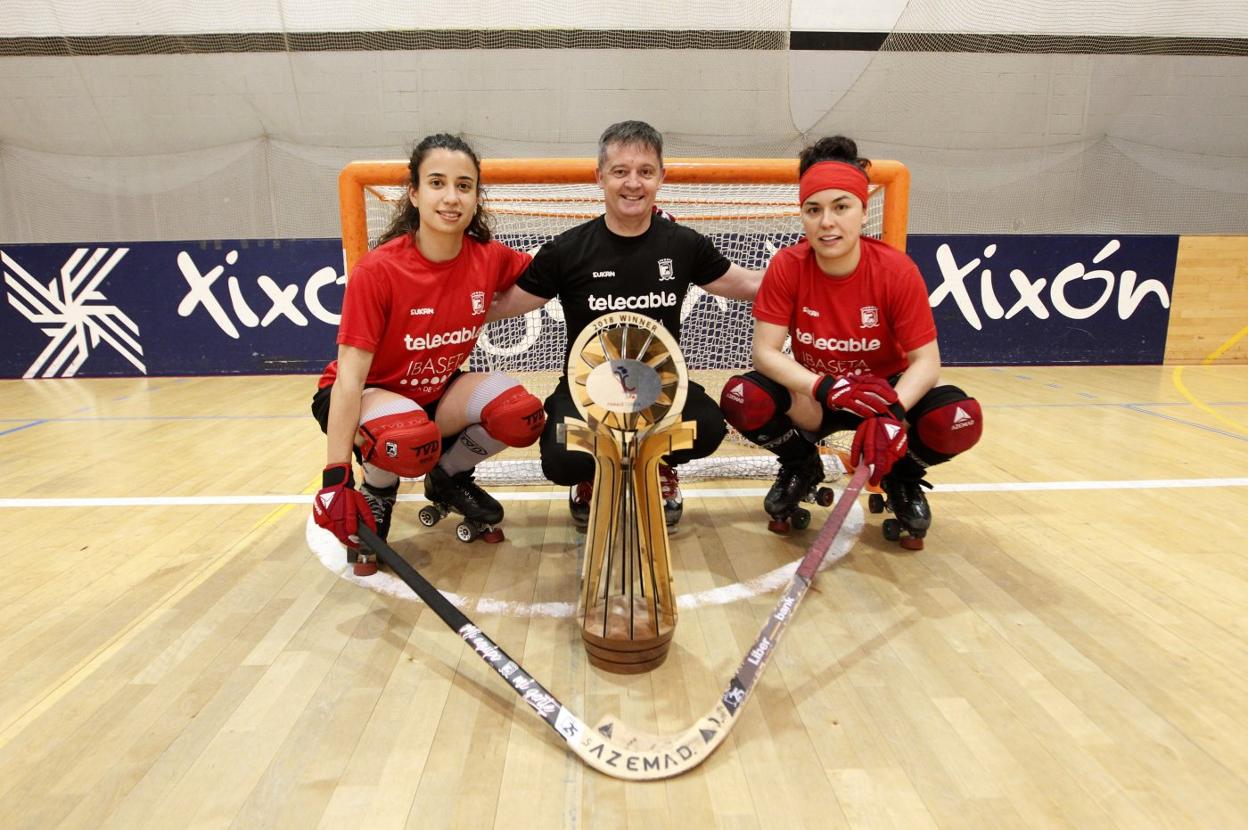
831 148
406 219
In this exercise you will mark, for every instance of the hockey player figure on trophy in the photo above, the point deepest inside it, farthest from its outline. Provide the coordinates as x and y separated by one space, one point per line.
628 380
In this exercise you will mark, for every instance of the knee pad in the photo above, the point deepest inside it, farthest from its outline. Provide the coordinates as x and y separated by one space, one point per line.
945 422
404 443
514 417
756 406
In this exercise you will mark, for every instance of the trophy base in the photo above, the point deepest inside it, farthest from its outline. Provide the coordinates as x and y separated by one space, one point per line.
632 644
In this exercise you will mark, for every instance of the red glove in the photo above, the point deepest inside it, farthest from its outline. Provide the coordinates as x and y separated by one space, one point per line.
863 395
338 506
881 441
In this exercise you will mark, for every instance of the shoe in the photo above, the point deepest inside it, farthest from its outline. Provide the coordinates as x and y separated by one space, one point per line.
461 494
794 482
673 501
908 503
381 504
578 503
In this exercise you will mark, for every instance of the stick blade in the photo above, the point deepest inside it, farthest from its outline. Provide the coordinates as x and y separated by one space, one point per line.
614 749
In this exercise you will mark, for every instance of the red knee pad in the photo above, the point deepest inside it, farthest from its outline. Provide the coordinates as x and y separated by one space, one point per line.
746 405
406 443
515 417
951 428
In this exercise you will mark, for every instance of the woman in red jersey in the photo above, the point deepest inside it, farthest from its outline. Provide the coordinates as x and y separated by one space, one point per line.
395 397
865 356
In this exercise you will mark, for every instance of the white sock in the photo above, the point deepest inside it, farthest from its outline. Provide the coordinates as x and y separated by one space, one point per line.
473 446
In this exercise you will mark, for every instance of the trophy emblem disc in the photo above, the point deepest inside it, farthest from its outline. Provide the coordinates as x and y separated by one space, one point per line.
626 372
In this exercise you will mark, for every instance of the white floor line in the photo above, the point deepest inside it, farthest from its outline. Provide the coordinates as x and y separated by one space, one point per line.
333 556
689 493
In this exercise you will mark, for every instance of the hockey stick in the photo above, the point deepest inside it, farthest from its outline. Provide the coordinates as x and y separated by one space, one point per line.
612 748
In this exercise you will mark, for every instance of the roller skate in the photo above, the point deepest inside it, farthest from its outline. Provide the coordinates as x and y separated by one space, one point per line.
460 494
578 503
381 505
796 482
673 501
904 498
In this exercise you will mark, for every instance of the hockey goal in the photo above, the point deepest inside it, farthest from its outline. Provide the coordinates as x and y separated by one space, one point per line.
747 207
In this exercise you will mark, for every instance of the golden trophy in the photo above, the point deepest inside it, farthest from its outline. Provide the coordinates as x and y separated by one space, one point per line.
628 380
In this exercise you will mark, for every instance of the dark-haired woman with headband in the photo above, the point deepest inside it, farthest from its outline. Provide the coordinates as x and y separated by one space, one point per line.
864 355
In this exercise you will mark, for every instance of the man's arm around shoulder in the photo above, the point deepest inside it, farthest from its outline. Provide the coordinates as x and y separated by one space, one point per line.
737 283
512 302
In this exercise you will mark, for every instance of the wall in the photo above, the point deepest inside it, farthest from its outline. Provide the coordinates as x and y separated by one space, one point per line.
1210 314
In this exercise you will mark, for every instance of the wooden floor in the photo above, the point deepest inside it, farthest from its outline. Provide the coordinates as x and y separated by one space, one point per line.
1070 650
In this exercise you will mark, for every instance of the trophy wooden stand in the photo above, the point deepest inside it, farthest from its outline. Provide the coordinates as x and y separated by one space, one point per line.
628 380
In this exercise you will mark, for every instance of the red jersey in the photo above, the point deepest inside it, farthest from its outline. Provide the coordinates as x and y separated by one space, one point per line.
864 322
420 319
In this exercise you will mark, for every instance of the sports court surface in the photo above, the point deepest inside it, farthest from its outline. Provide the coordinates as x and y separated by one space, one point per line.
1069 650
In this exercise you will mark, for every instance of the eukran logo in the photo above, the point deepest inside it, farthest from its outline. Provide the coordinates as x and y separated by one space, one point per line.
72 311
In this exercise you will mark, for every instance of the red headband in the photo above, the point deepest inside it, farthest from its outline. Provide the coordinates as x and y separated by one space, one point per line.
838 174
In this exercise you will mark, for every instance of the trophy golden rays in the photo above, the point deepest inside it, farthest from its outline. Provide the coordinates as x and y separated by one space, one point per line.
628 380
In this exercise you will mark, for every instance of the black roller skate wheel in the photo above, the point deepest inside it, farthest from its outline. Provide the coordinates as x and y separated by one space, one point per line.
892 529
800 518
875 503
465 532
429 516
824 496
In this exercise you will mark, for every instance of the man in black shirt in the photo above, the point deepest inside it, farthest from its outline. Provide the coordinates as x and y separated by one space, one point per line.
629 259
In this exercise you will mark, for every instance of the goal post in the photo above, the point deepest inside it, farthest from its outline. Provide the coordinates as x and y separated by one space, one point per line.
890 182
746 207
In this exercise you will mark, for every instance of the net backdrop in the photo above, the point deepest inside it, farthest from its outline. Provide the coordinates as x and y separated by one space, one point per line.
124 121
748 223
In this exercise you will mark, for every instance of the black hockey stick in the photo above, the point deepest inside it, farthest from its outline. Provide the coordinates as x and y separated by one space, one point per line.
612 748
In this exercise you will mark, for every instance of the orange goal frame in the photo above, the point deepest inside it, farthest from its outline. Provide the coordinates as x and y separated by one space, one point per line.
890 176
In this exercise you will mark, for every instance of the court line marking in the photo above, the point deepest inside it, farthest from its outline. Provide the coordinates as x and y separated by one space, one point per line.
689 493
1238 435
1197 402
333 556
34 420
24 425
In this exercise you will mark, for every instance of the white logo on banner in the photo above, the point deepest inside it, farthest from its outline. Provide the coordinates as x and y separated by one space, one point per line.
1031 292
73 313
281 298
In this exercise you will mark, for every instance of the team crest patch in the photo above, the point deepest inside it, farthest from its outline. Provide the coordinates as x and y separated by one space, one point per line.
478 302
870 316
666 270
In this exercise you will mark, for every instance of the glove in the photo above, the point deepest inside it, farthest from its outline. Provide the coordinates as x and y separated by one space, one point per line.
880 441
863 395
338 506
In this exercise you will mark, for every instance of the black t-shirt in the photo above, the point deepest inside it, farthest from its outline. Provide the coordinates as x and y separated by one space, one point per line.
594 271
